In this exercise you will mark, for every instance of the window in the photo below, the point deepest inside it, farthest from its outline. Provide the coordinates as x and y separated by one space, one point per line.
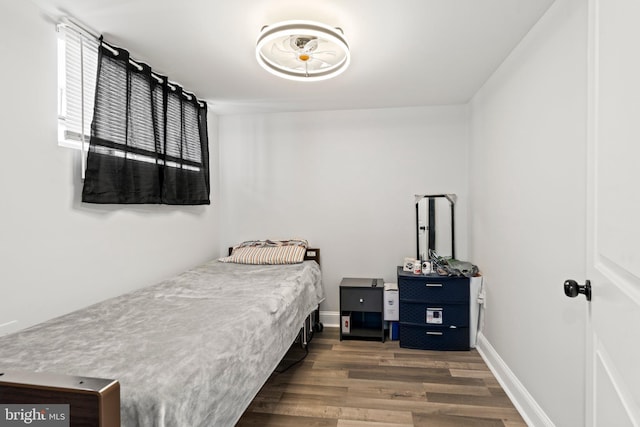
145 138
77 69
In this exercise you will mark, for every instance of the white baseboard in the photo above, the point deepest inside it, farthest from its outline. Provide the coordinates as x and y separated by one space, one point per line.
330 318
526 405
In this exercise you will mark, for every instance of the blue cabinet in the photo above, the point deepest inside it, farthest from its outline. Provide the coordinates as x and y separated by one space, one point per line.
434 311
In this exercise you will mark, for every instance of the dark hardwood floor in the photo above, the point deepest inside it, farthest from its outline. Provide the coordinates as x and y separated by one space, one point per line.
368 383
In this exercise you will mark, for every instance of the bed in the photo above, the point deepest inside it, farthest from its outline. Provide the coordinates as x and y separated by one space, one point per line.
193 350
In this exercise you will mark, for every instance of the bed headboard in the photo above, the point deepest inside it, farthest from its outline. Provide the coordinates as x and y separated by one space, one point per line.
312 254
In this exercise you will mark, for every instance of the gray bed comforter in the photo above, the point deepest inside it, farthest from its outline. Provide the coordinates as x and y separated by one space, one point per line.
191 351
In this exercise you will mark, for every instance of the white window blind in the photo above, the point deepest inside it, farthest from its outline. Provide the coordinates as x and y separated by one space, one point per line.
77 70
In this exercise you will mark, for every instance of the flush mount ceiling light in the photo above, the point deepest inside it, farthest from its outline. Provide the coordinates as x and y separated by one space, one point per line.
302 50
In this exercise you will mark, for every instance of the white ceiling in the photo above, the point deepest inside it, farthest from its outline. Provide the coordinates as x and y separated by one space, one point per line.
404 52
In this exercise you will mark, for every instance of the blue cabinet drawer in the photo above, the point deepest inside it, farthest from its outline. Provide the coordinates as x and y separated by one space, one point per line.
433 338
429 289
434 314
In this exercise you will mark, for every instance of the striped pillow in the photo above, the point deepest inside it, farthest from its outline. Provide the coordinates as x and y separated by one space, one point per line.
268 252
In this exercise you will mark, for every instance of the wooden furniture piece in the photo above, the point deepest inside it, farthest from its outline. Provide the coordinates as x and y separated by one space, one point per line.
362 301
92 401
434 311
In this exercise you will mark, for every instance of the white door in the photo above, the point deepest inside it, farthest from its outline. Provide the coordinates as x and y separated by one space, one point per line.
613 215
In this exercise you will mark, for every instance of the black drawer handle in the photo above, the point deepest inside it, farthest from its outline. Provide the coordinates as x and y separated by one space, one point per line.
434 333
433 285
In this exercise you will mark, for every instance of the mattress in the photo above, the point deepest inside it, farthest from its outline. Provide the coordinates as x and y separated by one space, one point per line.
191 351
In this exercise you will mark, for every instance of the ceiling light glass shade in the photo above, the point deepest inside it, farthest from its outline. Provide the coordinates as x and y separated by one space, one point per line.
302 50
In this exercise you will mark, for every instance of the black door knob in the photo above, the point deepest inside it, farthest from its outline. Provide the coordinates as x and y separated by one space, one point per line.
572 289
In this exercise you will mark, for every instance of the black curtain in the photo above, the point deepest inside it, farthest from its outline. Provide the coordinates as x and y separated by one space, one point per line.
149 141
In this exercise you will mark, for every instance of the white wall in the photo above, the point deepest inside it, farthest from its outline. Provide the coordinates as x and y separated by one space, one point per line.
528 223
56 254
345 180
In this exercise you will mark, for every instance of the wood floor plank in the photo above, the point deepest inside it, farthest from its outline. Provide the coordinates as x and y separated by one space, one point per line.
434 408
453 421
414 375
397 372
471 390
375 416
308 370
514 423
352 382
386 404
492 382
464 399
471 373
295 410
411 392
366 383
356 423
471 356
307 389
426 363
311 400
263 419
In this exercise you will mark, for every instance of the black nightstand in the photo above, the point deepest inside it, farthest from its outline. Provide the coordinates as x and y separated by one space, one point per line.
361 301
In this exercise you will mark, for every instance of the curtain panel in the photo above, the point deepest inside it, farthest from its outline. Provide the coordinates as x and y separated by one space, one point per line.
149 140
